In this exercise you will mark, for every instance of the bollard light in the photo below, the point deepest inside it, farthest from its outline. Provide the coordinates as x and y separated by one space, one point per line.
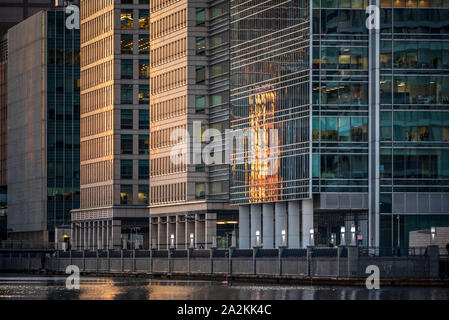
343 239
172 241
257 238
312 237
283 238
192 241
353 243
433 232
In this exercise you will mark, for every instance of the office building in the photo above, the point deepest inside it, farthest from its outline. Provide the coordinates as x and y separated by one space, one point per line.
189 73
114 126
361 119
43 125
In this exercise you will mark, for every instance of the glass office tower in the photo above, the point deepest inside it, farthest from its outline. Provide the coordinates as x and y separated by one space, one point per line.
414 118
374 114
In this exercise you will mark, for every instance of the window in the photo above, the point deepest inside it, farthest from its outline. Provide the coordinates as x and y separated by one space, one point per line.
126 44
126 169
144 44
126 194
127 69
200 191
200 17
126 144
144 144
144 94
126 119
200 74
143 195
126 19
144 119
144 169
126 94
200 104
200 46
144 19
144 69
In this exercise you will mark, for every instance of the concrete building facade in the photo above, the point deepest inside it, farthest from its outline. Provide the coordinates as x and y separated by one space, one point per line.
189 94
43 125
114 126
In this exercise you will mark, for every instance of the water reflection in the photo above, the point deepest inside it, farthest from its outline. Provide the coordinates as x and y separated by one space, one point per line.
53 288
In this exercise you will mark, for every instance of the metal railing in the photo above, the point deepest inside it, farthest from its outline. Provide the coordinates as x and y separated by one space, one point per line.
392 252
26 244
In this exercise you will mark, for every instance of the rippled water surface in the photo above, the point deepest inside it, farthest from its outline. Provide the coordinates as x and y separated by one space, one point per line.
54 288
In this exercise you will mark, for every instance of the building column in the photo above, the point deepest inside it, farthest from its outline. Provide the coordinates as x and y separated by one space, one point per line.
180 233
94 235
244 227
256 222
200 231
85 235
294 233
268 232
280 211
211 230
307 221
102 235
99 244
116 232
162 233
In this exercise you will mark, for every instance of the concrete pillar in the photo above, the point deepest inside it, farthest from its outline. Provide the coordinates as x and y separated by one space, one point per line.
99 229
294 233
94 235
256 222
244 227
103 233
108 235
200 231
116 232
280 211
307 221
268 227
211 229
89 235
180 234
162 233
85 235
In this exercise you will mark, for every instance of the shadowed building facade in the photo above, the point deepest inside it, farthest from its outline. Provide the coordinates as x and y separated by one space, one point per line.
43 125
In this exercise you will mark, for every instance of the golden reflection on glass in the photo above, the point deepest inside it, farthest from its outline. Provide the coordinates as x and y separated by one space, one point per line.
263 186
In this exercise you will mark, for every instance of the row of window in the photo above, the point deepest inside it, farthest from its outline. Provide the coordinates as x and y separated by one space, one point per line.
168 193
127 144
345 129
165 165
97 26
168 109
89 7
127 44
97 75
97 148
96 123
414 55
97 99
168 24
169 80
159 4
127 194
162 138
415 126
168 52
97 172
127 94
97 50
97 197
127 19
127 69
127 119
127 169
